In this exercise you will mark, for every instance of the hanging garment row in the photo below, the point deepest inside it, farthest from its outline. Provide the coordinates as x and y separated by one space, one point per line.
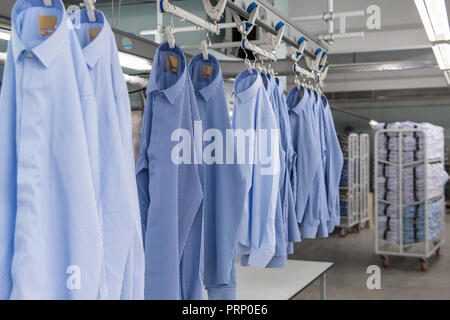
214 210
80 225
69 207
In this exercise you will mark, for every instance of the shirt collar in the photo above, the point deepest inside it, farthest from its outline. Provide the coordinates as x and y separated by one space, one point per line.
174 90
297 108
50 48
208 91
325 101
96 48
251 90
269 83
279 85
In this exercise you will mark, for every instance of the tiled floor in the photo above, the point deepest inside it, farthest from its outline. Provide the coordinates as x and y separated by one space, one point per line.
353 254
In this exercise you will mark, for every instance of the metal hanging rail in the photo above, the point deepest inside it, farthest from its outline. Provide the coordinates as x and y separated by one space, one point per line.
295 31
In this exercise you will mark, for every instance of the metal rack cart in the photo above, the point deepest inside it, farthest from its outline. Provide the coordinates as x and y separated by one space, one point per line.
401 247
364 179
349 187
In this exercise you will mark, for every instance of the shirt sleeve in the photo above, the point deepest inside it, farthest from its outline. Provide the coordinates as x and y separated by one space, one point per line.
308 162
142 166
8 178
264 199
122 101
333 170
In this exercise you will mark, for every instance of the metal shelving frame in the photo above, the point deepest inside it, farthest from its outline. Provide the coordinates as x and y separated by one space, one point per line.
351 219
421 250
364 178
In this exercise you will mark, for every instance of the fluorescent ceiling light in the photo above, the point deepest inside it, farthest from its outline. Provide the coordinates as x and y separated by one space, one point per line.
2 57
442 53
447 77
5 35
433 14
373 123
439 19
133 62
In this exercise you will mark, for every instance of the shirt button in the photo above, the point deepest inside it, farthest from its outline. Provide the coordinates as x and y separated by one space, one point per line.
30 55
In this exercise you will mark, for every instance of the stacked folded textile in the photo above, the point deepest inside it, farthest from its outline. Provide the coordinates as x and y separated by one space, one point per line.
344 175
344 208
413 182
413 143
417 184
343 142
413 223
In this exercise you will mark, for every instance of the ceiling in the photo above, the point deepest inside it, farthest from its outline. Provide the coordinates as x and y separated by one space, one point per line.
397 58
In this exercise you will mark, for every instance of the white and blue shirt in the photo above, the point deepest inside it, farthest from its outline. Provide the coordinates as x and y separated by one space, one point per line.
122 235
333 167
223 184
170 192
253 114
51 232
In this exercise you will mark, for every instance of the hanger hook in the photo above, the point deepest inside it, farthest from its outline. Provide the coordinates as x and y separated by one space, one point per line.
171 23
209 39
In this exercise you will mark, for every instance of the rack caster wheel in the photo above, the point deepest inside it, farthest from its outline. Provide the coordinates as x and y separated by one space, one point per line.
385 262
438 252
423 265
342 233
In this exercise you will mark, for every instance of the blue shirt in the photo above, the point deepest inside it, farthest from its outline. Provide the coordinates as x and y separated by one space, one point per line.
253 114
281 229
319 202
223 184
51 230
308 163
170 191
333 168
289 184
122 235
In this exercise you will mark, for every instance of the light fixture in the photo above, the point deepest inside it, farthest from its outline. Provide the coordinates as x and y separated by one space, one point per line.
447 77
4 34
433 14
373 123
2 57
442 53
134 62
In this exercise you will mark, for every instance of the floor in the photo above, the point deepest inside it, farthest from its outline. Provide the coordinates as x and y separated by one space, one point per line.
354 253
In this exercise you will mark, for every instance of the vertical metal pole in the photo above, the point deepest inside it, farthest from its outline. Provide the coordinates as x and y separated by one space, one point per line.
330 21
323 287
400 186
159 23
375 196
425 211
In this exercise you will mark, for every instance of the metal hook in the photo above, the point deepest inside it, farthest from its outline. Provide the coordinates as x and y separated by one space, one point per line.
246 60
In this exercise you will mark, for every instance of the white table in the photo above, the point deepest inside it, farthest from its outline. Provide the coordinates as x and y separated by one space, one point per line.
280 284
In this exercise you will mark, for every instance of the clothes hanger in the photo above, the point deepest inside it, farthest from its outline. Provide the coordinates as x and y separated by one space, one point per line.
170 34
248 62
204 46
90 8
170 37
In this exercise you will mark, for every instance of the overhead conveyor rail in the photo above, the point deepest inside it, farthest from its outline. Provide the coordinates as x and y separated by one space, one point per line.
238 6
273 17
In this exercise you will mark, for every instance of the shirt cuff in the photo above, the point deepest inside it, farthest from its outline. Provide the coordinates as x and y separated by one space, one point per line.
277 262
323 230
308 231
222 293
331 226
256 259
